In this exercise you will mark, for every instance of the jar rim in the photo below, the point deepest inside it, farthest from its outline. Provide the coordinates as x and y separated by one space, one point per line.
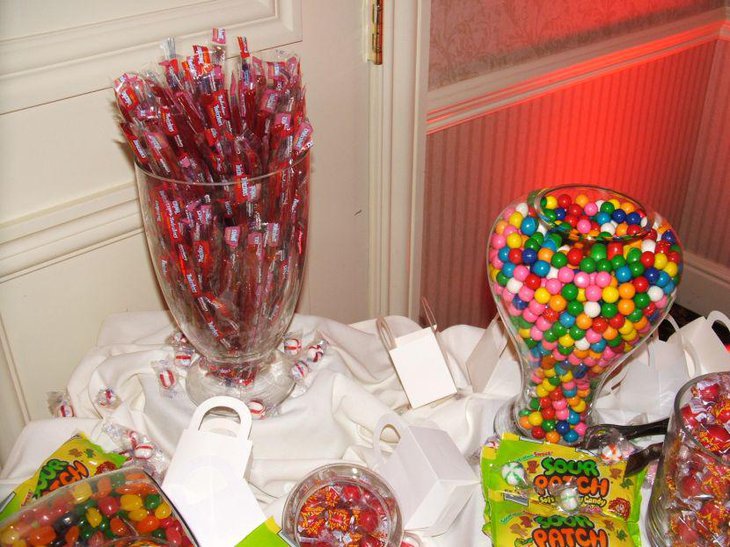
684 426
291 163
536 202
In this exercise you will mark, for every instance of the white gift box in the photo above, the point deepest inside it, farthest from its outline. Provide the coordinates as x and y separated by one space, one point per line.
429 476
205 480
420 364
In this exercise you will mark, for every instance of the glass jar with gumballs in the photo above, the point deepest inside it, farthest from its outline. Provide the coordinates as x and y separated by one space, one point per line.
581 276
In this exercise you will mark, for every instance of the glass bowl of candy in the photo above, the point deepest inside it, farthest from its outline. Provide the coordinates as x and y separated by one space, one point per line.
581 276
690 500
123 507
222 168
343 505
229 259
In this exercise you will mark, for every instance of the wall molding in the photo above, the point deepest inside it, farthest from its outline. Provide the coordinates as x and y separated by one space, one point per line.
705 285
45 67
49 236
475 97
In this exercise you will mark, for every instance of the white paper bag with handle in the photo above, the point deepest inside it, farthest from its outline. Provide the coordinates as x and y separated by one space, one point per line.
705 351
420 363
429 476
205 480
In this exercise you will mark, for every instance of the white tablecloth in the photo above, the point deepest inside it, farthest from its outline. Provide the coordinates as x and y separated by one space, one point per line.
332 420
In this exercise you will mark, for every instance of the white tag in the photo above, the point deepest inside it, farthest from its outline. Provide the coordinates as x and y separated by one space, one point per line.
420 364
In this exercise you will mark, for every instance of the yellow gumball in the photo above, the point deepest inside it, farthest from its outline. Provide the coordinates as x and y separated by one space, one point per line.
542 295
516 219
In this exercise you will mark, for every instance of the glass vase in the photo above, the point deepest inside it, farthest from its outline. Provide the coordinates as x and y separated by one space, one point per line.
581 276
229 258
690 500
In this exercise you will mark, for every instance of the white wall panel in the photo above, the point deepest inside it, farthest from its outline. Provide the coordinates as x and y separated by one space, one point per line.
71 246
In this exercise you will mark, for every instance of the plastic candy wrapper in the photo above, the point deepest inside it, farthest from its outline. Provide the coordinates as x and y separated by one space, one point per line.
546 477
183 352
59 404
97 511
511 524
167 378
75 460
292 343
139 449
107 399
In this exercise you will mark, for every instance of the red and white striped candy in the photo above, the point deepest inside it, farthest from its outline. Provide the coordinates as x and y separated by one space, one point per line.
315 352
292 346
299 369
256 408
143 451
167 378
65 410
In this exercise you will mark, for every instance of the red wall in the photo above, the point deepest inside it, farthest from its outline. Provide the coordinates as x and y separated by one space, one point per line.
635 130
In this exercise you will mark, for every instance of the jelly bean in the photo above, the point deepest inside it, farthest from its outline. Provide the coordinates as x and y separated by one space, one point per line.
108 505
130 502
9 536
93 517
137 515
148 524
81 492
163 510
117 526
42 535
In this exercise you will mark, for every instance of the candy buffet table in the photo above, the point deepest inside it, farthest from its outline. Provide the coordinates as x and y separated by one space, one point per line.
331 420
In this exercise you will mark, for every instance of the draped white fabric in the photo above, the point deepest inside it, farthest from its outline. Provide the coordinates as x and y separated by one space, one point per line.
330 421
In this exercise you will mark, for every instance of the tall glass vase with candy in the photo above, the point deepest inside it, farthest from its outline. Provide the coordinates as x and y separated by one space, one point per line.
222 170
581 275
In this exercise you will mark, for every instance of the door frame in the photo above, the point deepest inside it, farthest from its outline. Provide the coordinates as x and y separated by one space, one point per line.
398 93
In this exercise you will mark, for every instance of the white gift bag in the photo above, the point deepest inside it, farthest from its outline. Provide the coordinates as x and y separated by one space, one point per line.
429 476
205 480
420 363
705 351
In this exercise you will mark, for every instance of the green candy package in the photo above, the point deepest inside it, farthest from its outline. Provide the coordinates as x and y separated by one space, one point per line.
560 492
76 459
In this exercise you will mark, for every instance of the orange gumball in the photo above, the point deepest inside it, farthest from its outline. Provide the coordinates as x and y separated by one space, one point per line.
552 437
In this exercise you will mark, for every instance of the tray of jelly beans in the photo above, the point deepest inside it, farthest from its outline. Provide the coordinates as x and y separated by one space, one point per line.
116 507
581 276
343 505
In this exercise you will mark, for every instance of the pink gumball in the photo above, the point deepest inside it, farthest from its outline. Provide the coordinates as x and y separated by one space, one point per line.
590 209
514 312
550 345
580 428
509 230
584 226
581 280
593 293
574 360
521 273
526 293
543 324
497 263
536 307
569 385
530 317
603 279
553 286
560 404
565 274
592 336
536 333
562 414
498 241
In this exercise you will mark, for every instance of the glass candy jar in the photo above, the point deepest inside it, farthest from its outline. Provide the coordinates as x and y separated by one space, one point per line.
581 275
